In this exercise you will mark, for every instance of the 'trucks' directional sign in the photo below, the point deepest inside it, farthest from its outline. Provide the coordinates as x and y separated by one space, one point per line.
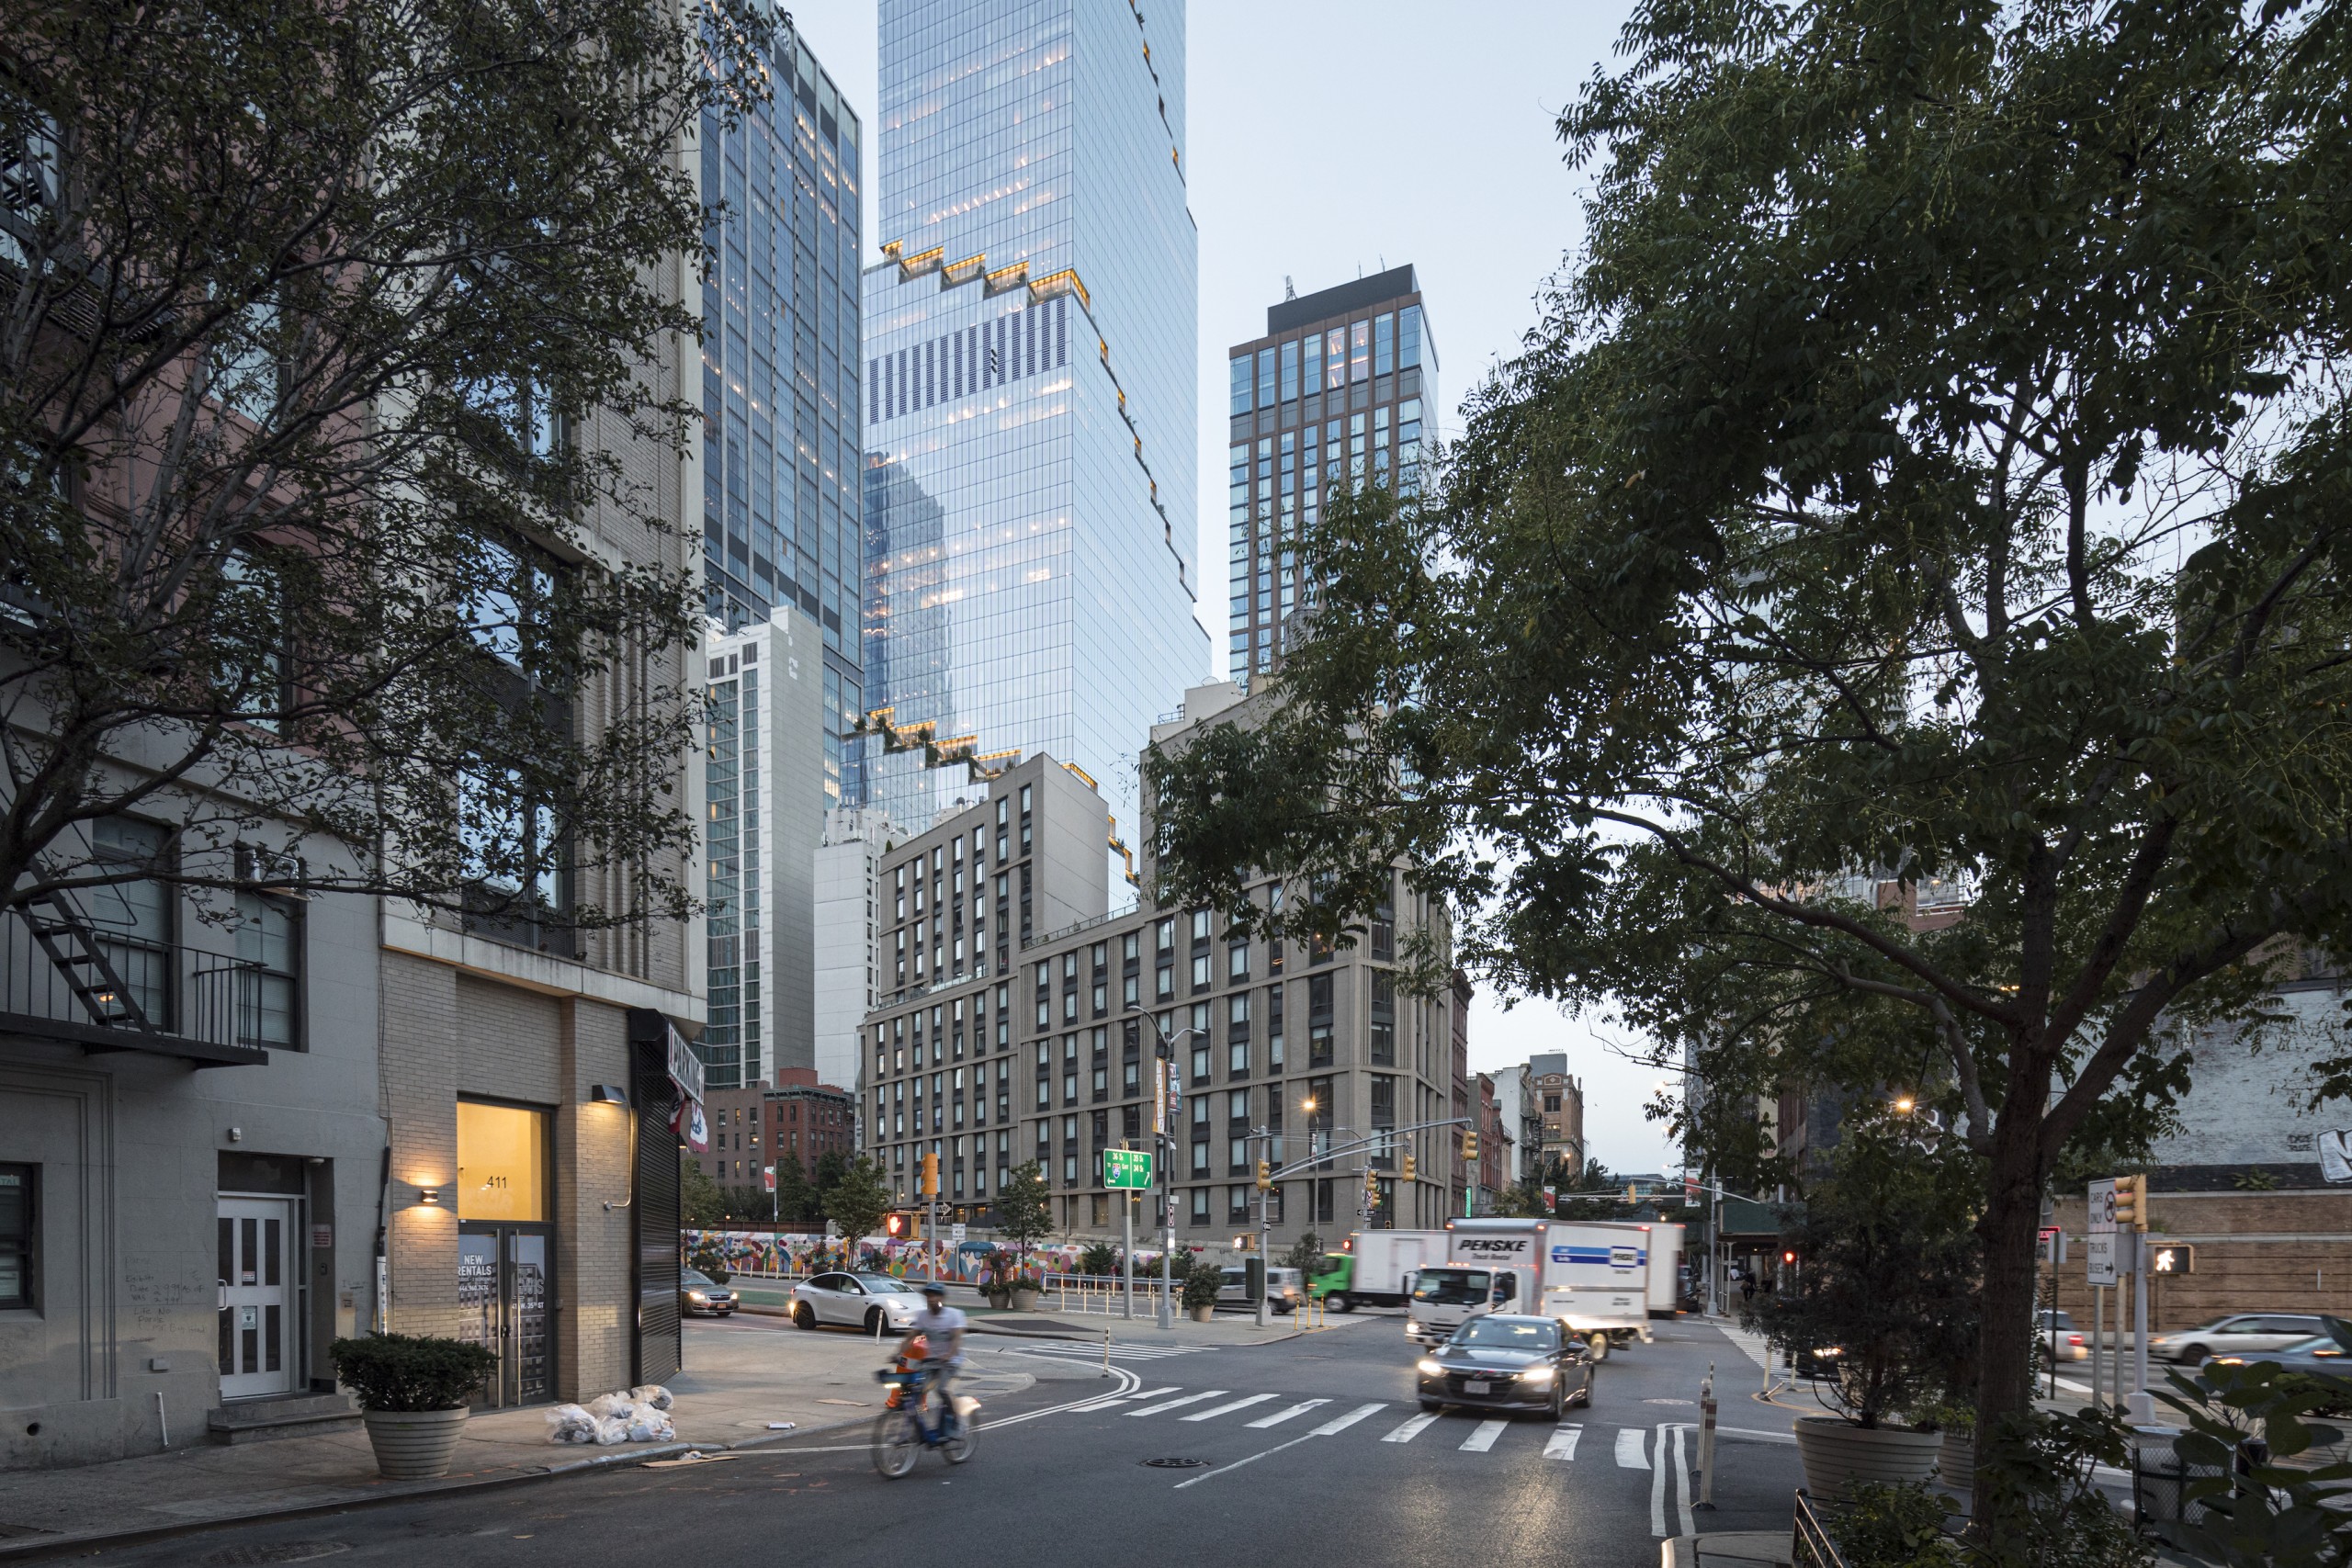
1127 1168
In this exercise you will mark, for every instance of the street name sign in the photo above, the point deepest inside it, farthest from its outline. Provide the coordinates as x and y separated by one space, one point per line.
1129 1168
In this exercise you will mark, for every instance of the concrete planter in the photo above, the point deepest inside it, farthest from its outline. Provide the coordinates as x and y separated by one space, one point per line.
1024 1301
414 1445
999 1298
1837 1453
1203 1314
1956 1462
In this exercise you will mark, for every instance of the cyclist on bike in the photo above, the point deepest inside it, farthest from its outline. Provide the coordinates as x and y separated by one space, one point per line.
939 1329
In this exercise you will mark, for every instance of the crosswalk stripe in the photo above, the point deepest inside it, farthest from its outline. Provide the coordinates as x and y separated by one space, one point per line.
1147 1394
1411 1429
1631 1453
1342 1423
1564 1443
1482 1439
1214 1411
1180 1403
1118 1352
1279 1416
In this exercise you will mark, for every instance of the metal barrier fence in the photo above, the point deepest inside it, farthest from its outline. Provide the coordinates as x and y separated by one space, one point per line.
1811 1545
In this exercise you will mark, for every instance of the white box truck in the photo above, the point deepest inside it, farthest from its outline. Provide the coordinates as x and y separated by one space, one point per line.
1593 1277
1666 1269
1377 1267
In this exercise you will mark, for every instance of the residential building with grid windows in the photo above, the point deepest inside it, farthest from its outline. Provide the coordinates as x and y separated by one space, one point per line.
1334 393
1045 1045
1031 391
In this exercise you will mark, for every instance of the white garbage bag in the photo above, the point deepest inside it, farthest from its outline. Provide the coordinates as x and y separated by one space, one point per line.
610 1431
617 1406
571 1424
651 1427
651 1394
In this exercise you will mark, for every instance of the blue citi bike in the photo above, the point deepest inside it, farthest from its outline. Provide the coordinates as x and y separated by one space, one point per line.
900 1433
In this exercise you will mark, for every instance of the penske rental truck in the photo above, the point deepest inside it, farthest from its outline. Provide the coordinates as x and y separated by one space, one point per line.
1375 1268
1593 1277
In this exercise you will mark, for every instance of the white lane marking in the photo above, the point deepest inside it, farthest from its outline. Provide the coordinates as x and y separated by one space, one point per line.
1350 1419
1080 1350
1682 1481
1214 1411
1254 1458
1076 1404
1759 1433
1482 1439
1128 1381
2071 1385
1564 1443
1279 1416
1178 1404
1108 1401
1630 1451
1412 1429
1657 1486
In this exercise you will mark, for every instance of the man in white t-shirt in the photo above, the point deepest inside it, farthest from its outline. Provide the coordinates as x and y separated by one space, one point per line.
942 1328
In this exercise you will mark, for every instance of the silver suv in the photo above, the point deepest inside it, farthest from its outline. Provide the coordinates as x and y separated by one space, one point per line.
2234 1334
1285 1288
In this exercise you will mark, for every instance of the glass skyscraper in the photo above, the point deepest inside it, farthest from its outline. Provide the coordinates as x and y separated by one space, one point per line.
781 450
1029 405
1333 393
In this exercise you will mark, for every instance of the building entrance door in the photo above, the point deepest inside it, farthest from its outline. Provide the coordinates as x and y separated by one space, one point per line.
504 1292
256 1351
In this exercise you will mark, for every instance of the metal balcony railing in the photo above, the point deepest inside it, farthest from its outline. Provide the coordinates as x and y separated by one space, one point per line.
64 979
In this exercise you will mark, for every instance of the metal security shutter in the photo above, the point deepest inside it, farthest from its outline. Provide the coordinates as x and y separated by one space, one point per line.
655 1210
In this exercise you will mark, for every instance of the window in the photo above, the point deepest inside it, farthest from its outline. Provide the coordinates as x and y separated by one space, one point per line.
1265 378
1200 926
1241 365
1335 359
1200 1160
1237 962
1319 1021
243 361
1200 971
1311 372
1358 350
1551 1103
270 953
1384 1018
133 920
20 1239
1200 1205
1409 337
249 629
1384 345
1290 371
1164 935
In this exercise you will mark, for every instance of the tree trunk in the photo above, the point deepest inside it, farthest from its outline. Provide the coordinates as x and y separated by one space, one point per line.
2009 1229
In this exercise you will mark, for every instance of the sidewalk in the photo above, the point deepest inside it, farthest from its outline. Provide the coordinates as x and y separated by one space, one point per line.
737 1381
1727 1548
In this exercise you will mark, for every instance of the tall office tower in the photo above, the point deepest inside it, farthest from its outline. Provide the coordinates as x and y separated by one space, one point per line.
1030 390
762 818
782 503
1332 394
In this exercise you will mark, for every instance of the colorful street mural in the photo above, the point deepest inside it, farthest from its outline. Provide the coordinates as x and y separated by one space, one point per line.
771 1253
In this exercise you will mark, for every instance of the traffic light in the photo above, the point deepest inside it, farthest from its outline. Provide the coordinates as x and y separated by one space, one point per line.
1265 1176
2131 1203
1409 1167
1372 1190
896 1224
1789 1258
1469 1146
1632 1196
931 1173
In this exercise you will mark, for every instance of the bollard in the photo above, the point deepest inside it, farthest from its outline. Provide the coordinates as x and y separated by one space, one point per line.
1706 1441
1106 1352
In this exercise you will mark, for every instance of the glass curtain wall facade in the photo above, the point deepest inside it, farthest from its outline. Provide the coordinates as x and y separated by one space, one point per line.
1332 395
782 505
1029 390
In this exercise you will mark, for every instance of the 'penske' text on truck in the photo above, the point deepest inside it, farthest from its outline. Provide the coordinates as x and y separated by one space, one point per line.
1593 1278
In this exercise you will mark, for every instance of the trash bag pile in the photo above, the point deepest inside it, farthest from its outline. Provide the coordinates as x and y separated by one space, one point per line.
633 1417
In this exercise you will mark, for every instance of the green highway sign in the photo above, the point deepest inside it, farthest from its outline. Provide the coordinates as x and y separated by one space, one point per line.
1128 1167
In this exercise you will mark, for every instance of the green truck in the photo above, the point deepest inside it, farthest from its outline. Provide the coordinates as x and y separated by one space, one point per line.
1375 1268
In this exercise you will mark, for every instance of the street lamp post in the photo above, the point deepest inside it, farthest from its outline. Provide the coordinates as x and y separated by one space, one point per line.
1167 1144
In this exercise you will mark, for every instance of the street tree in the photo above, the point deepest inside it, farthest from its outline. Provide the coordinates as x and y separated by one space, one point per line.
1024 1208
324 328
857 1202
1928 488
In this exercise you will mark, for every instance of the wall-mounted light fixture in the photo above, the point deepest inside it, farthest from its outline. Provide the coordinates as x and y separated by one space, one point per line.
429 1195
609 1094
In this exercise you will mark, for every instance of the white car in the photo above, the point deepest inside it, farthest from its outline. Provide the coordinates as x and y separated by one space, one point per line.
2233 1334
866 1302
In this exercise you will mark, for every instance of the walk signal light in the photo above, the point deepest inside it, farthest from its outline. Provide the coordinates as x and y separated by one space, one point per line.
1265 1176
2132 1202
896 1224
1789 1258
1469 1146
1409 1167
931 1173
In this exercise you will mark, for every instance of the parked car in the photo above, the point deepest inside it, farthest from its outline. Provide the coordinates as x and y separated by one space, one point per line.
1508 1361
861 1300
2320 1353
1285 1288
2233 1334
699 1295
2060 1340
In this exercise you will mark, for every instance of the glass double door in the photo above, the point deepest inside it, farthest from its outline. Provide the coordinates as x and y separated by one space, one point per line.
504 1293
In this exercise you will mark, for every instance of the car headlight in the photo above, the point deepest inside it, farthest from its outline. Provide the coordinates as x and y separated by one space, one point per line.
1411 1327
1430 1369
1536 1375
696 1296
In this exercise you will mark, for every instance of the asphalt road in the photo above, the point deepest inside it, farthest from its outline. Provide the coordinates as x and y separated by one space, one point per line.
1317 1452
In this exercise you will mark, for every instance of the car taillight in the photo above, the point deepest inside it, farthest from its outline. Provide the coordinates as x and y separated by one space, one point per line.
2073 1339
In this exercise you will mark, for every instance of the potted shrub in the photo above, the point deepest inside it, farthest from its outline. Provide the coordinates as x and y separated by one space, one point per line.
1200 1290
412 1391
1880 1310
995 1278
1955 1425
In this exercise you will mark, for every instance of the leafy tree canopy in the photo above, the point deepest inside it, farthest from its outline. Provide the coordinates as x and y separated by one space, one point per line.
1926 489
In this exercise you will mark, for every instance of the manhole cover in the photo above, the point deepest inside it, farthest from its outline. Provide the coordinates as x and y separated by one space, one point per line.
281 1551
1174 1464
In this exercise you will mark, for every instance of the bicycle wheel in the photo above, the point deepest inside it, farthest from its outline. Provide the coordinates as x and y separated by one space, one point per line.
896 1443
958 1448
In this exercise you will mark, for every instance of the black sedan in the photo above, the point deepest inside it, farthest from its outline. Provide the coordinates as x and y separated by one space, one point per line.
1504 1361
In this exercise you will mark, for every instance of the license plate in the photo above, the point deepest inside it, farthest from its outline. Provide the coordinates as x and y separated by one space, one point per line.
1475 1385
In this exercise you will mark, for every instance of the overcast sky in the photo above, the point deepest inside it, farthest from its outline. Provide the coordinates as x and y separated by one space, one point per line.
1329 138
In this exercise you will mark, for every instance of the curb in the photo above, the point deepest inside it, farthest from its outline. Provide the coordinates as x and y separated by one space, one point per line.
27 1550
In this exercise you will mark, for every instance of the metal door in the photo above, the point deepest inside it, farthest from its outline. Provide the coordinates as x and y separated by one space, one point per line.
257 1353
504 1293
